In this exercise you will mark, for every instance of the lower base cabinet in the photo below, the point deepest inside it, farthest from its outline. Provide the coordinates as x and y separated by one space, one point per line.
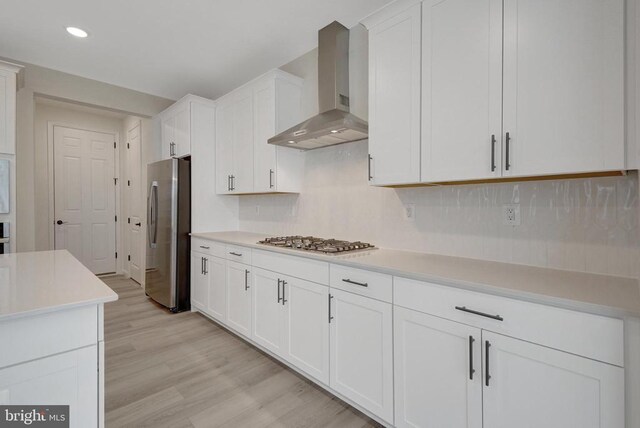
70 378
239 297
535 386
454 375
217 287
438 375
199 280
361 348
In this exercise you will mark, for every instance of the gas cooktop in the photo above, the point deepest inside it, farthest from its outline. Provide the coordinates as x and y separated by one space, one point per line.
319 245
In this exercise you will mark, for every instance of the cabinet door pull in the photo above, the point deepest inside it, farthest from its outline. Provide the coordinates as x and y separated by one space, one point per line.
330 316
235 254
204 246
233 183
206 266
279 298
493 153
172 149
246 279
507 164
270 179
202 265
487 345
482 314
228 183
370 176
284 288
361 284
471 369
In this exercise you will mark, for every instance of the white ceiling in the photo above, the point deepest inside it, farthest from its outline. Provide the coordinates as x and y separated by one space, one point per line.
170 47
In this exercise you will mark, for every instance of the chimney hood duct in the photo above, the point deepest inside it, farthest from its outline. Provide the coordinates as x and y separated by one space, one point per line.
334 124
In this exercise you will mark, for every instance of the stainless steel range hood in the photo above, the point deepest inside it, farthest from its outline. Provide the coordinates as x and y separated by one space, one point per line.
334 124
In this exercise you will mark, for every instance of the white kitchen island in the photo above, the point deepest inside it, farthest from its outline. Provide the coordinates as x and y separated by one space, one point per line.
52 334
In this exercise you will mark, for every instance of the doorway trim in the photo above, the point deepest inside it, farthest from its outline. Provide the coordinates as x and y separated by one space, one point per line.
51 179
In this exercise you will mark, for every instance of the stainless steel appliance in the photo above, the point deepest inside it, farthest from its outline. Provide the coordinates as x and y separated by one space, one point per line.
318 245
168 226
334 124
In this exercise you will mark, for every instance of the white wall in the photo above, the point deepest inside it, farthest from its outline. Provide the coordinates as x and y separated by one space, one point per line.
584 225
40 81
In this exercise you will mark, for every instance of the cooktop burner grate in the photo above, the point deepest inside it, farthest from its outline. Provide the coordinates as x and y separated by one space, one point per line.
321 245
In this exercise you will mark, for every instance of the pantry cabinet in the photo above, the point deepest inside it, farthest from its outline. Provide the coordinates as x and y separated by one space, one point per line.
548 388
246 118
239 299
8 74
176 130
438 372
361 348
394 99
519 88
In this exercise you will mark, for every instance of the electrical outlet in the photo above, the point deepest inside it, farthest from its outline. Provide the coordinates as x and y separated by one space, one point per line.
410 212
511 214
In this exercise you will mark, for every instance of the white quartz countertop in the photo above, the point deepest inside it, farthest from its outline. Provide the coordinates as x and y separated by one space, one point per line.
598 294
47 281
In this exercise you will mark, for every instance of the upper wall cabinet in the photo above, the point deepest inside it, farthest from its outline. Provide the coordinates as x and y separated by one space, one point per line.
518 88
8 107
176 130
246 119
394 98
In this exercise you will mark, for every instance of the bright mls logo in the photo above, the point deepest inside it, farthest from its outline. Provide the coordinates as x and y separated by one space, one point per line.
34 416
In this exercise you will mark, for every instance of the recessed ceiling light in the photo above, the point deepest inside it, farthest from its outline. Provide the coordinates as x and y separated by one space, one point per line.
334 131
78 32
291 142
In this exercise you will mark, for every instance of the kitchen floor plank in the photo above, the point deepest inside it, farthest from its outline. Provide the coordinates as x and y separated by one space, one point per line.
183 370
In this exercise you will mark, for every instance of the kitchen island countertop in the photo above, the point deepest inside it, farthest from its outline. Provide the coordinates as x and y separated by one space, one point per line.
45 281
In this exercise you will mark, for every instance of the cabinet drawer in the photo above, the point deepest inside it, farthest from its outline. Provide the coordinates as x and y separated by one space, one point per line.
207 247
593 336
238 254
299 267
38 336
366 283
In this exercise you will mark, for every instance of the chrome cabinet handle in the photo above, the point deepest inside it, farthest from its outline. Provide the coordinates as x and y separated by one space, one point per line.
235 254
246 279
270 179
482 314
279 298
487 345
172 149
202 265
493 153
233 183
206 266
471 369
204 246
507 145
228 183
361 284
284 300
370 176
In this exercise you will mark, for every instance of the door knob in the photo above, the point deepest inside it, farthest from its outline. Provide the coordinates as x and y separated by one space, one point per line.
138 224
59 222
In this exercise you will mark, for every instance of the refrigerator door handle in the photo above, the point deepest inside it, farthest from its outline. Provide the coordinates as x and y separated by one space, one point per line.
152 215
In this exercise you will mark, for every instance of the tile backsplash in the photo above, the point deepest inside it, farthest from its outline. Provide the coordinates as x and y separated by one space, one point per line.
582 224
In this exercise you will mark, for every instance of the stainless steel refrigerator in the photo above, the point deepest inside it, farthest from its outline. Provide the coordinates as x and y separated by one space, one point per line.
168 226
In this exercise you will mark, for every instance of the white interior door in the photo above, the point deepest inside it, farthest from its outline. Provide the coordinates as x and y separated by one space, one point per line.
136 209
84 201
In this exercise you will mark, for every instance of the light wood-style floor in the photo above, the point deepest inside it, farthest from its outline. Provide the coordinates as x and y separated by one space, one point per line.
183 370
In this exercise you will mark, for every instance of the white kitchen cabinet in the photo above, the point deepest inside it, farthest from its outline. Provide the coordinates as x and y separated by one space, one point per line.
69 378
438 372
394 98
268 311
246 118
199 281
361 351
563 86
8 74
306 327
239 297
461 89
216 270
176 130
534 386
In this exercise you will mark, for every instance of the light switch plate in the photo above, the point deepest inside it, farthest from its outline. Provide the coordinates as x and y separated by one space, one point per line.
511 214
